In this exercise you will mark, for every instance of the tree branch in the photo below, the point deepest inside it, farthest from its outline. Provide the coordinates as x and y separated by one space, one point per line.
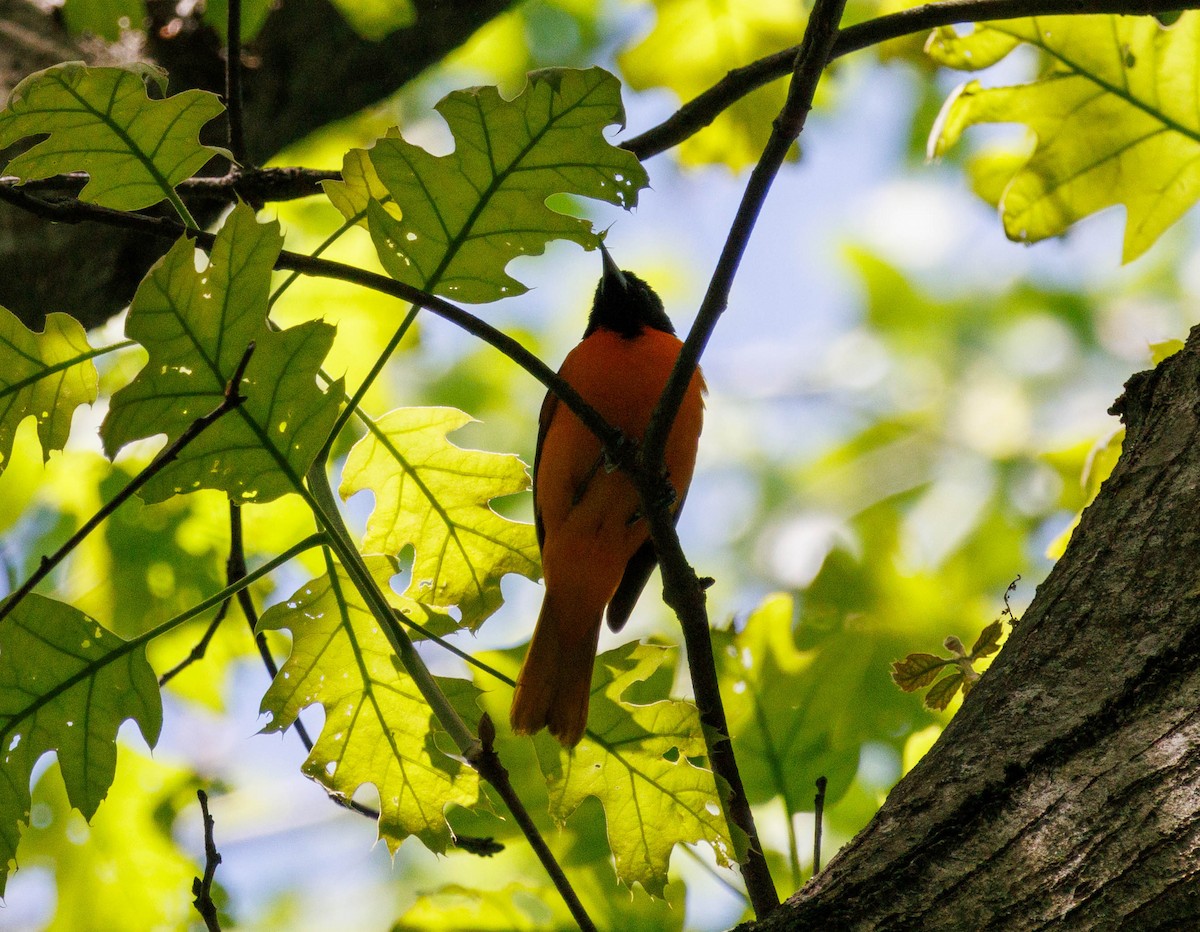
202 888
231 401
703 109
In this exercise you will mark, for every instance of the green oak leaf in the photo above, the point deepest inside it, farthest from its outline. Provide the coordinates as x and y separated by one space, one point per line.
779 718
465 215
46 375
378 728
434 496
637 759
196 327
101 121
359 186
1113 115
66 685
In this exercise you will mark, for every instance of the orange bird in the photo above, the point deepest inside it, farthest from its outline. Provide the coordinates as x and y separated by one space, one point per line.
596 548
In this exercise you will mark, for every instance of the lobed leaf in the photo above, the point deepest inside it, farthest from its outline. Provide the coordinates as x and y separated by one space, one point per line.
465 215
196 327
66 685
378 728
638 761
101 121
46 375
1113 116
434 496
916 671
944 691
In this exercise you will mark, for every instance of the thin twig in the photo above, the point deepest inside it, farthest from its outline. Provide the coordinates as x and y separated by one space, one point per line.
707 106
197 653
233 83
231 400
487 762
819 816
681 586
202 889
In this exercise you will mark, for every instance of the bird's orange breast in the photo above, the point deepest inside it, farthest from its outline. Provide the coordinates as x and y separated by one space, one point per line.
590 515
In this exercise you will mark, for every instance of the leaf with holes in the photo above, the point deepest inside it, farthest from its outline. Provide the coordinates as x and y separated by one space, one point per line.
1114 118
466 214
639 761
196 327
434 495
46 375
101 121
66 685
378 728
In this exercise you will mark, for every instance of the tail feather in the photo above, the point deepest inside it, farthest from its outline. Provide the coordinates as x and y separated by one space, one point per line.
555 682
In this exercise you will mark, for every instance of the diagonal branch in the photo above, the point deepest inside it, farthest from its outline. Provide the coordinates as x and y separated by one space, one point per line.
703 109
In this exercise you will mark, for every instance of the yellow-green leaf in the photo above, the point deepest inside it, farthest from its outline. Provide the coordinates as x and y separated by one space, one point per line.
378 728
944 691
101 121
196 327
916 671
783 715
693 45
1114 118
123 870
66 685
465 215
45 375
434 496
638 761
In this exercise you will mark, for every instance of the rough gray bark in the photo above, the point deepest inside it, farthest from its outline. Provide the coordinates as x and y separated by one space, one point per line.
306 69
1066 791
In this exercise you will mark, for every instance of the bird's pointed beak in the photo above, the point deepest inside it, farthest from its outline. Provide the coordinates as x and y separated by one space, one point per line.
611 272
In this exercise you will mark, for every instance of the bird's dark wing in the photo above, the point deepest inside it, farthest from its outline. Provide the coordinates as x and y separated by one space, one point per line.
637 574
549 404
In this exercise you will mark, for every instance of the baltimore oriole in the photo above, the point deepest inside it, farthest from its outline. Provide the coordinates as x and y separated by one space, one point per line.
596 550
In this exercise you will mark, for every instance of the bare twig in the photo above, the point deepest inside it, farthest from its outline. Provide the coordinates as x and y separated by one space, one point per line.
819 816
202 888
487 762
229 402
197 653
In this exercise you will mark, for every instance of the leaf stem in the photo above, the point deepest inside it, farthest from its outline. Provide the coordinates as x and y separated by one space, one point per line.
231 401
478 754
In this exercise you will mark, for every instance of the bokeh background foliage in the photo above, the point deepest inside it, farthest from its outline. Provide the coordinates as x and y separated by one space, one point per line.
906 413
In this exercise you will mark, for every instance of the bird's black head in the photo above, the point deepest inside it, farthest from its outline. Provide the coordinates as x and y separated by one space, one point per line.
625 304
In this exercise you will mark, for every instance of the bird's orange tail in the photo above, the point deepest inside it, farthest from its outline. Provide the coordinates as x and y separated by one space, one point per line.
555 682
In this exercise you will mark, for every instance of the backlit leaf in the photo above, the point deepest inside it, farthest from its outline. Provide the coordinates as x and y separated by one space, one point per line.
944 690
783 709
196 327
102 122
123 870
46 375
66 685
637 759
434 496
693 45
467 214
916 671
1114 118
378 728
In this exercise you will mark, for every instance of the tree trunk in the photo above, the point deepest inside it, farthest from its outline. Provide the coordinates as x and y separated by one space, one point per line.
1066 791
